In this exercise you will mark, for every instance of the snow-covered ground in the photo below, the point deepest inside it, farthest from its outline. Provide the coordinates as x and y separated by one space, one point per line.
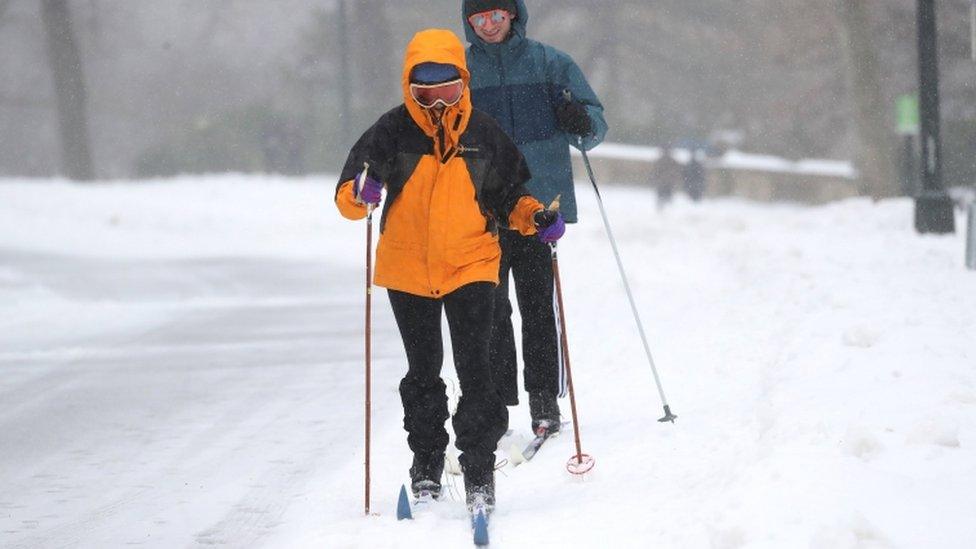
181 366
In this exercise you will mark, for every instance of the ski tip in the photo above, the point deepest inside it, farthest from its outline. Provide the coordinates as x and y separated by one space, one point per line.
480 529
515 455
403 504
451 463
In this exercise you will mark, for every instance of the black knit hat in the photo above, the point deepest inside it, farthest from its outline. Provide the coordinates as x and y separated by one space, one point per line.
472 7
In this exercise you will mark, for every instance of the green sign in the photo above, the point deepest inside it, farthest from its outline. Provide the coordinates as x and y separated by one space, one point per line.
907 107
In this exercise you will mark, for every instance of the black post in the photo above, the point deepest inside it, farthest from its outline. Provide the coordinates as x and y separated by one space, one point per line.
933 207
909 169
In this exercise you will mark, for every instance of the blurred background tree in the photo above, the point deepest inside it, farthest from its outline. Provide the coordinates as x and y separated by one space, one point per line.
68 75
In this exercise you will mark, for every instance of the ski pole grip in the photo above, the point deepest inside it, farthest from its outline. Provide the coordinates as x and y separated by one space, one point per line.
568 97
554 205
361 184
362 178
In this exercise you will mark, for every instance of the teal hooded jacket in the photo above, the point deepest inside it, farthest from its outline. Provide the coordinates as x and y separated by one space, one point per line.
520 82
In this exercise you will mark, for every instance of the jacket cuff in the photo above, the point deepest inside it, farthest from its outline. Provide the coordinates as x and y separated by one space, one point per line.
521 218
345 200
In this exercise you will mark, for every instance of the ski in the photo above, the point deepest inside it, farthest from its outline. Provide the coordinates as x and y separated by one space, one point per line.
507 439
406 507
479 523
542 435
479 513
535 444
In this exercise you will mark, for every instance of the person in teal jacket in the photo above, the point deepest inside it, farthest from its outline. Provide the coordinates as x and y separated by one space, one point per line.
541 99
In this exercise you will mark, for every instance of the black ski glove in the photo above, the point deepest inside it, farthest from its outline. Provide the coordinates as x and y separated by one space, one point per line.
571 117
550 225
545 218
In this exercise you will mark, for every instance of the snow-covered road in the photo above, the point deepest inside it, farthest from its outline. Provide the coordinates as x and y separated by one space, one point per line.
181 366
171 402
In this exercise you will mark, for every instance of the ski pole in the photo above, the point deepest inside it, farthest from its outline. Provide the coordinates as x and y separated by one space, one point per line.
668 416
578 466
580 463
369 307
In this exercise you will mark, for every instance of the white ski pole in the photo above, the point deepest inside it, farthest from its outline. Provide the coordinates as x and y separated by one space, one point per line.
668 416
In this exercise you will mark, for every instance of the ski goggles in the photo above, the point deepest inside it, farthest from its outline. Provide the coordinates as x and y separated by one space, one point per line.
446 93
481 19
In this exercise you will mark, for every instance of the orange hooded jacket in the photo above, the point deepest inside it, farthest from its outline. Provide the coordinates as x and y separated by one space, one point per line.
450 185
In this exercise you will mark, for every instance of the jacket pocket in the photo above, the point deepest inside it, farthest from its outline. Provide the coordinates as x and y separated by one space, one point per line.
481 249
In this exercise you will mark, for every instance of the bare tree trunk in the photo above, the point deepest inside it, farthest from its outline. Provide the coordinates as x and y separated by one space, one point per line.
376 58
345 86
875 156
69 87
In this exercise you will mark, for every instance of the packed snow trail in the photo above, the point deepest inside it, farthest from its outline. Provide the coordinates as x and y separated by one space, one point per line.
181 366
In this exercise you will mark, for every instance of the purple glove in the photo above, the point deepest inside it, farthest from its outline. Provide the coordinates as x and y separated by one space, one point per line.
550 225
372 190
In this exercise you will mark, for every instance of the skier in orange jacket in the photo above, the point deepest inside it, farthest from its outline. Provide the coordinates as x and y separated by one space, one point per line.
453 180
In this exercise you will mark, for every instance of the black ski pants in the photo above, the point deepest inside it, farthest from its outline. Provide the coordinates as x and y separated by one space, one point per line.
530 263
481 417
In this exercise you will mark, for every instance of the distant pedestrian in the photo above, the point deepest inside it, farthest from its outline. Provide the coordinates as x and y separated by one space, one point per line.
693 174
666 176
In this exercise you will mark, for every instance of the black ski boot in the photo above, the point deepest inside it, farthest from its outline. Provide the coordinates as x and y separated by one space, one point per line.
480 491
545 413
425 474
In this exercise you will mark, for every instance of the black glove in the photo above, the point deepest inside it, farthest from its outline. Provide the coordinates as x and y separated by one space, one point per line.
544 218
550 225
571 117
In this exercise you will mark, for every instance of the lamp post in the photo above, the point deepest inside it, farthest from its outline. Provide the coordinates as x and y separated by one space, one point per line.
933 207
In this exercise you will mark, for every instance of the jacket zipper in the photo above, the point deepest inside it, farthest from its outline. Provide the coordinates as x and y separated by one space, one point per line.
438 148
508 94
